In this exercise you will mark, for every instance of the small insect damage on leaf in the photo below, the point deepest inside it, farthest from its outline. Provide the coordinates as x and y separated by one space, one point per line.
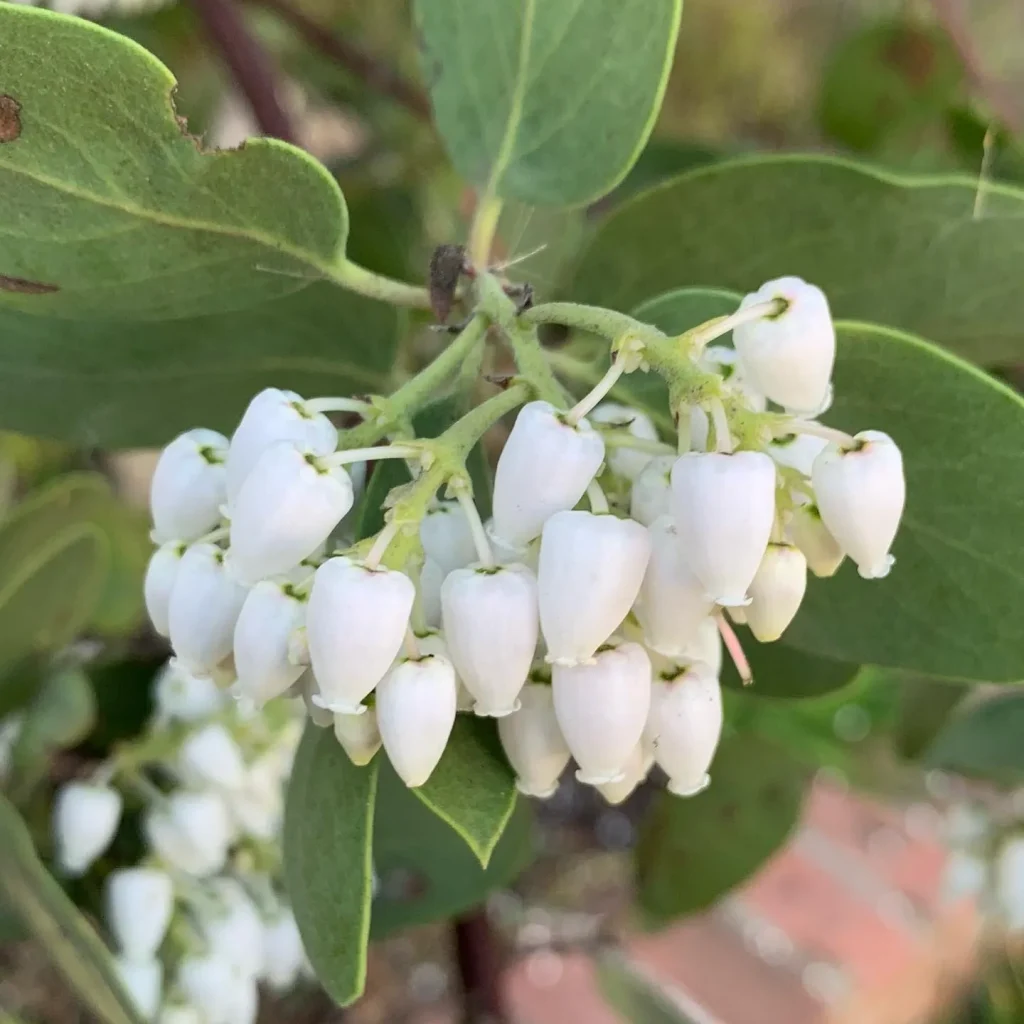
24 287
10 119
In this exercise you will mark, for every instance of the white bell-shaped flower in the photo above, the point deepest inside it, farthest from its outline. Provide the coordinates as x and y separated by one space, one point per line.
416 714
672 602
181 696
1009 883
860 492
602 709
636 769
180 1013
533 742
685 727
309 690
189 486
143 980
85 818
211 757
263 641
705 648
221 993
807 531
544 468
257 806
777 591
205 603
140 902
161 573
789 356
233 929
358 735
355 624
724 508
725 362
283 952
274 416
429 592
287 507
190 832
446 536
591 568
628 463
651 495
797 451
490 627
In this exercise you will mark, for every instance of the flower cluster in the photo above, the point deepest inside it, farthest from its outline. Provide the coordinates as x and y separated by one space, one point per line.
586 614
201 920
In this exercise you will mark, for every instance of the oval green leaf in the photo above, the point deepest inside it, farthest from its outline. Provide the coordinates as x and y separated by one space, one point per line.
547 101
983 741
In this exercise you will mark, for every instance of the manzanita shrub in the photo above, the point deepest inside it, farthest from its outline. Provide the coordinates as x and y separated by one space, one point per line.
749 442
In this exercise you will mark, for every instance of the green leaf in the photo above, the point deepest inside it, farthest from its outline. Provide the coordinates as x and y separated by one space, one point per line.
661 159
61 931
638 999
473 787
692 852
113 210
782 671
893 249
124 699
925 706
983 740
427 872
328 862
548 101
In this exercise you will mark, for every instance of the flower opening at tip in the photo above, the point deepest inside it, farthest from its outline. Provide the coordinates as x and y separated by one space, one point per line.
677 789
598 780
337 707
735 649
497 712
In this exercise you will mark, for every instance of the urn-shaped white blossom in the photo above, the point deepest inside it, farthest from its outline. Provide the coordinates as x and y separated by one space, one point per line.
85 818
355 623
184 697
222 993
358 735
204 608
428 593
685 727
860 492
724 508
591 568
283 952
544 468
232 926
416 714
274 416
257 805
602 708
143 980
140 902
807 531
626 462
161 573
190 832
777 591
446 536
797 451
284 511
672 603
533 742
490 627
634 772
211 757
188 487
789 356
651 494
264 647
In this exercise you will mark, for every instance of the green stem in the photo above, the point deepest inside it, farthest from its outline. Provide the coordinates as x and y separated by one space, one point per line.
483 230
376 286
593 319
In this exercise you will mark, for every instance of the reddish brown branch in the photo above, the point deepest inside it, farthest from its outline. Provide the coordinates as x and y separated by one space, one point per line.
478 954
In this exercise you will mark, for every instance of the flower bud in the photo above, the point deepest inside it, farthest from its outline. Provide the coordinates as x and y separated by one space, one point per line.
85 818
636 769
263 641
628 463
274 416
140 902
533 742
651 494
672 602
446 537
190 832
490 627
358 735
724 509
544 468
188 487
602 708
860 493
234 929
143 980
777 591
284 511
355 624
283 952
416 714
184 697
204 608
789 356
685 729
161 573
257 806
797 451
221 993
806 530
591 568
211 757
